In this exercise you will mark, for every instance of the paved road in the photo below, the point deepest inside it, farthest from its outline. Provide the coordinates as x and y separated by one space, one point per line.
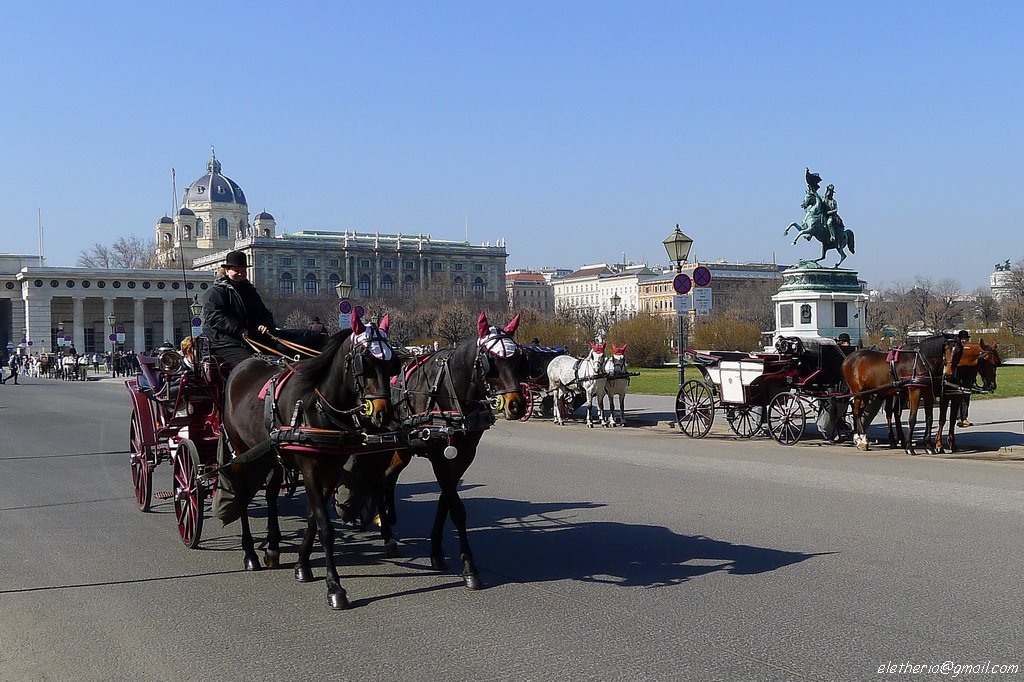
610 554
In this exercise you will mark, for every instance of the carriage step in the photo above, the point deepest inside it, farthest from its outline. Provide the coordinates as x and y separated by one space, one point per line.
163 495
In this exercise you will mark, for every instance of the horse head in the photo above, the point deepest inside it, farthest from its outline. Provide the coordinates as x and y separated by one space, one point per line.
370 363
618 359
988 360
500 363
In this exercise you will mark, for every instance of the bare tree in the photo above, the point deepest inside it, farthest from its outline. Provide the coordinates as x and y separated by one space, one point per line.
129 253
943 308
986 309
453 323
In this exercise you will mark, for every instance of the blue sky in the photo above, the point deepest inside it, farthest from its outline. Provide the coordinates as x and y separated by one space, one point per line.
575 130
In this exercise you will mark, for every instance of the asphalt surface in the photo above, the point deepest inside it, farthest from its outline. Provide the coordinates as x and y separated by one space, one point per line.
609 554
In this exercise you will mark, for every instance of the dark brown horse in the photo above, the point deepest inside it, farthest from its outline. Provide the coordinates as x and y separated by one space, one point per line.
913 371
321 414
978 359
448 398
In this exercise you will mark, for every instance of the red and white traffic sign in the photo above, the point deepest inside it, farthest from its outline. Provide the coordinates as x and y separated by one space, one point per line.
701 276
682 284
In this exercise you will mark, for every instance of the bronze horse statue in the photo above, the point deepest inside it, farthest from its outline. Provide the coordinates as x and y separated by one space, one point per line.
815 224
311 417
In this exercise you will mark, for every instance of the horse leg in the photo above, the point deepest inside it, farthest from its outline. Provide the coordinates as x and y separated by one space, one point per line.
450 504
929 410
889 406
336 596
250 561
558 401
913 400
303 572
272 555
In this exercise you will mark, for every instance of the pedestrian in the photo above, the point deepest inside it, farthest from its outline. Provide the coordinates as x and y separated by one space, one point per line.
15 364
96 363
844 340
965 404
316 326
234 311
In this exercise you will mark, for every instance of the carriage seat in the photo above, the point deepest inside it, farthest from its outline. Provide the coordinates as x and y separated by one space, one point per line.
151 382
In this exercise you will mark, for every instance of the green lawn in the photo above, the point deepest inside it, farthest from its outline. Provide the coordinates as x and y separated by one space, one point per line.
665 381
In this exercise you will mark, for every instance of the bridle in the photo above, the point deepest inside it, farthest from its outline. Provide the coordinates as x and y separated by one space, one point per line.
373 342
496 345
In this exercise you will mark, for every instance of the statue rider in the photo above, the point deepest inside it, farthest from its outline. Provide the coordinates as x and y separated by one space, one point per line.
833 221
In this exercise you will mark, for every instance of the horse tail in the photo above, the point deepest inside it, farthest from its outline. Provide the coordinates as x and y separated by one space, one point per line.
849 241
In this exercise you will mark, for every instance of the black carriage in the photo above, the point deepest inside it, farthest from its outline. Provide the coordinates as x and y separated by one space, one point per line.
779 390
540 400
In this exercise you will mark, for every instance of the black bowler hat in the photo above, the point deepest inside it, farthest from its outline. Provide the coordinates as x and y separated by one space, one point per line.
236 259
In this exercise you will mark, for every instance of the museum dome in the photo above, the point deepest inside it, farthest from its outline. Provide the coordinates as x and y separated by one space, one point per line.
264 216
214 187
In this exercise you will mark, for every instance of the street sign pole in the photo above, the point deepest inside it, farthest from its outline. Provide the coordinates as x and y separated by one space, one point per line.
681 340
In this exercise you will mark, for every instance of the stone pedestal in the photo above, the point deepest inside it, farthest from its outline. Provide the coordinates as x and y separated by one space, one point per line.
816 301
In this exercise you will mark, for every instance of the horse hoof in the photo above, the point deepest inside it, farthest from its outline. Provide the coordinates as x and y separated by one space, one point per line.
589 425
473 582
863 447
272 558
252 563
303 573
437 563
338 600
391 550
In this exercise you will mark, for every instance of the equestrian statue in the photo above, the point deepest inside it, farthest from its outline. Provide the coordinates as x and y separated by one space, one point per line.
822 220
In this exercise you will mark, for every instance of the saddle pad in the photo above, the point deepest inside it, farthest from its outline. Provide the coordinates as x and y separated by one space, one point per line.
281 378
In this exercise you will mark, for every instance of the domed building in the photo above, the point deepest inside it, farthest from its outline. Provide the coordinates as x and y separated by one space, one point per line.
213 217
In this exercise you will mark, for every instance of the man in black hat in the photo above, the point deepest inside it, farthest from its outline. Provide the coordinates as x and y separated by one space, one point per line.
962 337
233 310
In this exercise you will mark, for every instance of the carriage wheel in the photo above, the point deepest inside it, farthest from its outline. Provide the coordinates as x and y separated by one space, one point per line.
695 408
787 418
188 494
530 399
142 470
746 420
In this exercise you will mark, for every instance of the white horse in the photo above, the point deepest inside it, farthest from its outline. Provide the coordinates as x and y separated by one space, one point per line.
615 366
568 375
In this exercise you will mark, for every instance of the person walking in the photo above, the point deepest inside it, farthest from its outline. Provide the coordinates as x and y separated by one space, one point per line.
15 365
965 404
233 311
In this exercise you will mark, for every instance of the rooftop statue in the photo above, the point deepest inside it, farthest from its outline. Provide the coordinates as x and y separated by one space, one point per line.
822 220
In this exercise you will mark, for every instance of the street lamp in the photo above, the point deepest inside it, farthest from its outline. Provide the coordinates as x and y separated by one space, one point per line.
615 301
112 321
677 245
343 289
195 307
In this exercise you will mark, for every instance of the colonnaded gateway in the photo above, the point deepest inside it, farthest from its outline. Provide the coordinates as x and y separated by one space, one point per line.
38 302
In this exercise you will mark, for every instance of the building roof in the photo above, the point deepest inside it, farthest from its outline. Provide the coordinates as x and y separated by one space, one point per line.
263 215
214 187
590 271
525 277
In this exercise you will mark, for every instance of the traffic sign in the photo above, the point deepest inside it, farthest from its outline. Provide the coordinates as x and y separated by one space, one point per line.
120 330
345 306
359 311
29 343
682 304
702 301
112 337
701 276
120 337
682 284
197 321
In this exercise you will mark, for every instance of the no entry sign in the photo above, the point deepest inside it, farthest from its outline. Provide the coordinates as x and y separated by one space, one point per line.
701 276
682 284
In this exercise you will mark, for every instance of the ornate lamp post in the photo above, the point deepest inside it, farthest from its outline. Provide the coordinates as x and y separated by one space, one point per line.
677 245
195 307
112 321
615 301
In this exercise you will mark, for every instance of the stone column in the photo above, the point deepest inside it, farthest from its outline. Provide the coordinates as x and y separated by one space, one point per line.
139 332
37 318
78 323
108 310
168 320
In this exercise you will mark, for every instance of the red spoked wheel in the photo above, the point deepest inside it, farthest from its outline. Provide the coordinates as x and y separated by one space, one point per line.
532 399
787 418
142 464
695 409
189 495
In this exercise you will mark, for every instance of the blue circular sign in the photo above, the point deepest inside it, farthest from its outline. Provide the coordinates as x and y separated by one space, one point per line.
359 311
197 322
682 284
345 307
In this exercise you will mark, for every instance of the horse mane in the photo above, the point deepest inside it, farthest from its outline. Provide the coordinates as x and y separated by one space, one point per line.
311 371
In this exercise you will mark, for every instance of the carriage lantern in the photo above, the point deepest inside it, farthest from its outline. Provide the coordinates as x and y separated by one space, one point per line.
195 307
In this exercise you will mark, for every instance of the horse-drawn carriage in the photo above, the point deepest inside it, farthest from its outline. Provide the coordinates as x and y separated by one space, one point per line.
540 399
802 379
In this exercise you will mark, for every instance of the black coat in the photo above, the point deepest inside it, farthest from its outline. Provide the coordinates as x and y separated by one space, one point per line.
232 308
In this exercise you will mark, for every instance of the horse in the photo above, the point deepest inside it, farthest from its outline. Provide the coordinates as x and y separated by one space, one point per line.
330 403
815 225
977 359
569 375
447 400
617 383
918 371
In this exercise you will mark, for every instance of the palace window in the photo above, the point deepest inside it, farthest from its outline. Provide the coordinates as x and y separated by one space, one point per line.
332 281
199 228
311 262
364 262
409 265
478 267
222 227
311 286
287 283
459 287
438 266
387 285
364 286
332 262
388 265
286 260
407 284
478 288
